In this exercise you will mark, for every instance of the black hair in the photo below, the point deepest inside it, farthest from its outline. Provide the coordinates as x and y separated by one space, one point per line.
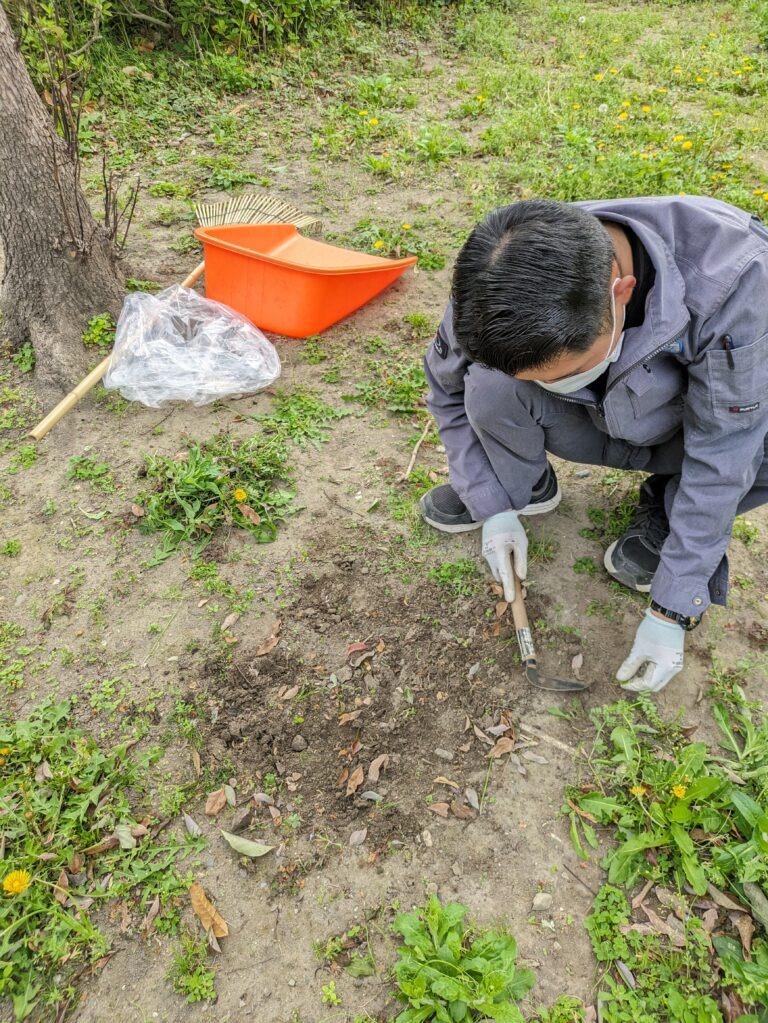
531 284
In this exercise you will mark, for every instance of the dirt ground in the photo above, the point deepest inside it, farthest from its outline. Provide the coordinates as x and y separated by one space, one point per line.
436 670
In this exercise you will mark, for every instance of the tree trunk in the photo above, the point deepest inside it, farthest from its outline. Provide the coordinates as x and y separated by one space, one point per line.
48 289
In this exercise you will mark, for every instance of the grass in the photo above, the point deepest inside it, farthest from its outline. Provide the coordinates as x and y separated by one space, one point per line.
458 578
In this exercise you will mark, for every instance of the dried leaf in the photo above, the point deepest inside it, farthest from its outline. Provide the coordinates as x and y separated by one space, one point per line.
441 809
746 928
206 912
272 642
216 802
442 780
230 620
351 716
290 693
355 780
248 513
196 763
193 828
577 664
230 794
496 590
149 919
501 608
482 736
709 920
124 836
355 662
43 773
137 510
380 647
61 888
535 758
723 900
660 927
590 817
377 766
502 746
472 798
213 943
460 810
358 837
245 847
342 777
356 648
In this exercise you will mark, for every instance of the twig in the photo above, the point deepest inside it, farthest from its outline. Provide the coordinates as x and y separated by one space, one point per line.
581 880
419 442
547 738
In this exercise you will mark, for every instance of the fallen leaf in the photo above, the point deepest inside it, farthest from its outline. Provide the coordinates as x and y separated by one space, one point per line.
290 693
61 887
472 798
535 758
380 647
709 920
230 794
213 943
216 802
377 766
149 919
723 900
203 602
355 662
460 810
502 746
355 780
342 777
351 716
660 927
196 763
441 809
442 780
245 847
248 513
358 837
496 590
124 836
590 817
206 912
576 665
137 510
501 608
139 830
482 736
229 621
43 773
193 828
355 648
272 642
746 928
110 842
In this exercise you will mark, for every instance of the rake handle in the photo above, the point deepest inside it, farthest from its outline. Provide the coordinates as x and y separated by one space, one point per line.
88 383
522 625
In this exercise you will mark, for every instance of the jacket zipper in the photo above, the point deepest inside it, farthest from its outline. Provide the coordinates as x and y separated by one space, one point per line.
600 405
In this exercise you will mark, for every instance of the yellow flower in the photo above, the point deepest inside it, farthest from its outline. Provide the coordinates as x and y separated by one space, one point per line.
240 495
581 56
16 882
645 108
362 113
406 227
480 98
700 79
378 245
623 115
756 191
679 791
600 159
626 103
576 106
678 138
613 70
662 90
643 156
638 790
373 122
717 113
738 72
5 751
687 145
598 77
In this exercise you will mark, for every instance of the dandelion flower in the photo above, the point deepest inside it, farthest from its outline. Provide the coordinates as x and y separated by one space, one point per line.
717 113
5 751
678 138
239 495
16 882
662 90
679 791
406 227
362 113
626 103
378 244
613 70
638 790
687 145
480 98
645 108
373 122
576 106
598 77
600 159
623 115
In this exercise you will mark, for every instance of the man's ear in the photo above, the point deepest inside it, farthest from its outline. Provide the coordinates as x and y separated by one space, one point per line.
624 289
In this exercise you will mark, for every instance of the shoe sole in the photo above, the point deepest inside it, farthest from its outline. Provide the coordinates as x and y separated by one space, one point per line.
531 509
611 570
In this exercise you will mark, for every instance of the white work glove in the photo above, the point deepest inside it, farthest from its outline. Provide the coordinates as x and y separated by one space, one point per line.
503 534
656 655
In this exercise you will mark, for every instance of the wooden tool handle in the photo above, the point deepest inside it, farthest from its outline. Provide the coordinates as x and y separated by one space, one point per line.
89 382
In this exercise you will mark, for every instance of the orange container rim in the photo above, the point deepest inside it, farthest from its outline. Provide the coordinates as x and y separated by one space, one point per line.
206 235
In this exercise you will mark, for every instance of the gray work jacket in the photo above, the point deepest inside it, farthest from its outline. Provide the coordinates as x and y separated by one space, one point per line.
677 370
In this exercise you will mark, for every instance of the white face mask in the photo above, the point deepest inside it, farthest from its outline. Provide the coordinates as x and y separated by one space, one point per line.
574 383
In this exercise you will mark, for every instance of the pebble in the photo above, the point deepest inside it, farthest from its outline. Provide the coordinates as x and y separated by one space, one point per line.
426 837
542 901
455 867
582 474
299 743
444 754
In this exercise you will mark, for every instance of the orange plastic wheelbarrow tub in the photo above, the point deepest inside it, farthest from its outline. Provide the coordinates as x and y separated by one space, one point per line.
289 284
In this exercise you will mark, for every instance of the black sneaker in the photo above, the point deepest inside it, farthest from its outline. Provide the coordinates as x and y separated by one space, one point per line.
442 507
634 557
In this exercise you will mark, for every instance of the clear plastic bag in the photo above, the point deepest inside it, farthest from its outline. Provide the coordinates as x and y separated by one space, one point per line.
178 346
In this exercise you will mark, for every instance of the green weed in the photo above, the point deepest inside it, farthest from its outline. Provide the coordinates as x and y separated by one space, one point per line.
100 332
190 975
300 416
24 359
24 457
459 578
98 474
745 531
10 548
584 566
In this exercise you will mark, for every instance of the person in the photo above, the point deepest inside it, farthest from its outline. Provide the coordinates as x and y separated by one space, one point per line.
630 333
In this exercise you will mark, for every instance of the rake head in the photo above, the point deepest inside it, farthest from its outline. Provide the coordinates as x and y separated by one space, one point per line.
254 209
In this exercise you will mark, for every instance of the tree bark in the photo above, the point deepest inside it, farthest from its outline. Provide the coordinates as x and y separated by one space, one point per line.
49 286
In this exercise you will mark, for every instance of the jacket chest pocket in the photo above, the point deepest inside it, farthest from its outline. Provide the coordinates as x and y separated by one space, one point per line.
657 388
738 380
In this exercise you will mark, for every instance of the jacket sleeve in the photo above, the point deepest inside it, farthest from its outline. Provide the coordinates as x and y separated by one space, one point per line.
725 427
470 472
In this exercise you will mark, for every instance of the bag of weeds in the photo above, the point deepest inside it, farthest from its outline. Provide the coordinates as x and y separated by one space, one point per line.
178 346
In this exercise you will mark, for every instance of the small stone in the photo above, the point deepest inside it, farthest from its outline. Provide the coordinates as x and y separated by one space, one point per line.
291 982
426 837
299 743
542 901
582 474
456 870
444 754
431 888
